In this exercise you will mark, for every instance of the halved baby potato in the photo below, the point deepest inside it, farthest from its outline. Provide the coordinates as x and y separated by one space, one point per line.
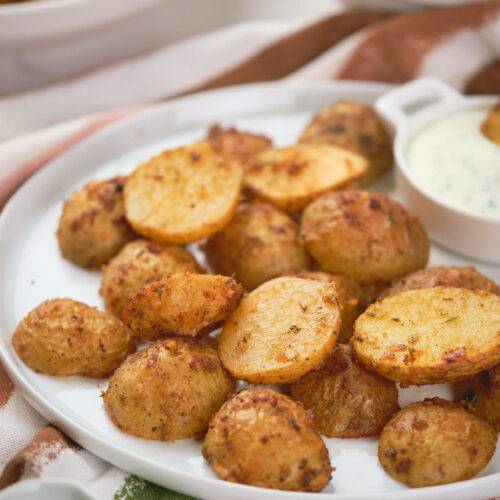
183 195
182 304
293 176
431 335
281 330
491 125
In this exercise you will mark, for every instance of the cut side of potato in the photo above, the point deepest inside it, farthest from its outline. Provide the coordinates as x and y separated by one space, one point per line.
292 177
430 336
183 195
281 330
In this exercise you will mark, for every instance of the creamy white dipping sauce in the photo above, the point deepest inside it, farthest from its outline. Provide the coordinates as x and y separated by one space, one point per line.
455 162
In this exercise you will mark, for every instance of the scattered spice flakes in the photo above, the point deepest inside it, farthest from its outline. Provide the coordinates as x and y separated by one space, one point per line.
159 293
195 155
372 315
453 318
454 355
413 339
396 319
447 298
295 329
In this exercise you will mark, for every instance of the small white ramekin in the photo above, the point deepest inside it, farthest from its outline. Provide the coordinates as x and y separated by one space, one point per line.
408 109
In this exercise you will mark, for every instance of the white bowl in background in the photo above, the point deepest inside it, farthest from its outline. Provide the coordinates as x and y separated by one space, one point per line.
409 109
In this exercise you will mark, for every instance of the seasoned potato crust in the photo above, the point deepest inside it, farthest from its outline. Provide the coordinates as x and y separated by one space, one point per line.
93 227
430 336
237 144
292 177
435 442
168 391
183 195
351 296
355 126
182 304
483 393
365 235
459 277
280 331
347 400
137 264
260 243
491 125
63 337
262 438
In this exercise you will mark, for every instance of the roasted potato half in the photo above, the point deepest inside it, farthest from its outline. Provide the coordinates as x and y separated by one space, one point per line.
355 126
491 125
365 235
281 330
435 442
93 227
352 298
260 243
430 336
182 304
63 337
347 400
292 177
459 277
138 264
183 195
168 391
262 438
237 144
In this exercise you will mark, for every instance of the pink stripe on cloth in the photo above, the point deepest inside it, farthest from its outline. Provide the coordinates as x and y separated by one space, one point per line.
12 182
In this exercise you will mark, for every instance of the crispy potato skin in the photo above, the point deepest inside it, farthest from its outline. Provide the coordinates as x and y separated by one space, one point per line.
183 195
237 144
459 277
182 304
435 442
352 298
491 125
293 176
483 393
364 235
347 400
430 336
63 337
168 391
93 227
260 243
262 438
355 126
280 331
138 264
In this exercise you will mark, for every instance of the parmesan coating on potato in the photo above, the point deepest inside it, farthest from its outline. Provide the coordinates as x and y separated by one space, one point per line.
63 337
430 336
262 438
292 177
182 304
281 330
168 391
183 195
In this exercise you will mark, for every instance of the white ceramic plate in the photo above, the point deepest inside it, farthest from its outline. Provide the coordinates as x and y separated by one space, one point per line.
33 271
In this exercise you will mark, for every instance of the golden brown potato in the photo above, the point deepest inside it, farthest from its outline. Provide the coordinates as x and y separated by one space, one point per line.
281 330
435 442
260 243
355 126
430 336
459 277
63 337
483 393
93 227
237 144
347 400
262 438
351 296
365 235
292 177
183 195
138 264
168 391
491 125
182 304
